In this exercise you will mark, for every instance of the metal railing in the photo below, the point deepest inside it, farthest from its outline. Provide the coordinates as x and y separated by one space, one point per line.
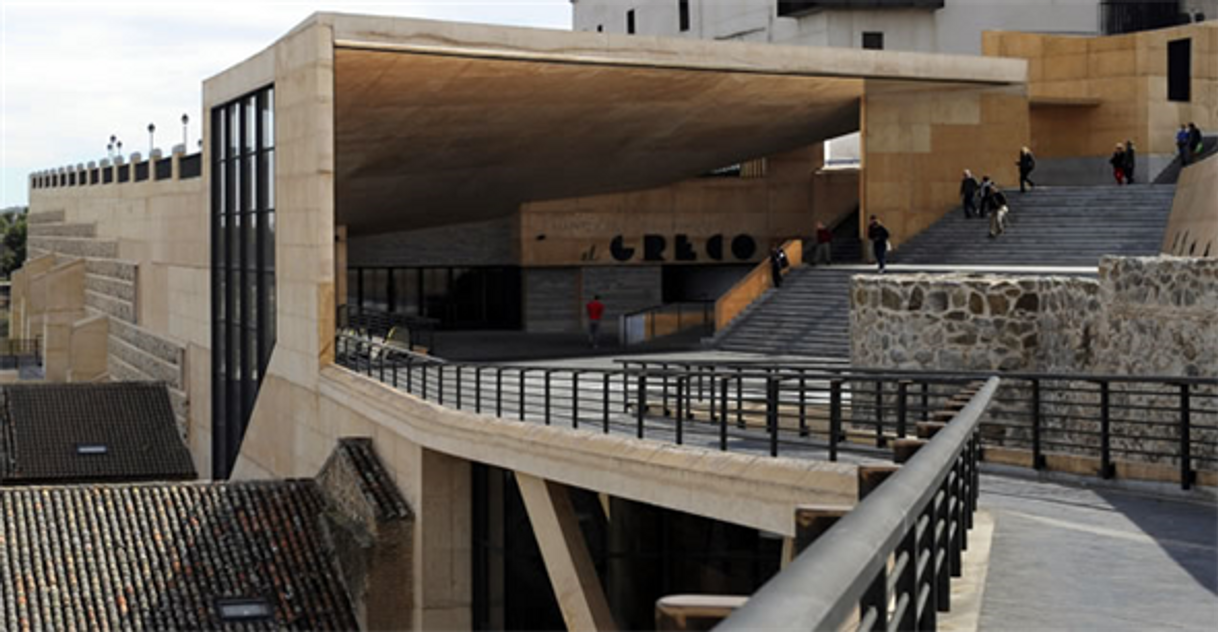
18 353
1117 421
413 331
816 414
665 320
889 561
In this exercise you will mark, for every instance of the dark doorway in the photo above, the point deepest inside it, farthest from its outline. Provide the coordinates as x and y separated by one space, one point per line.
1180 70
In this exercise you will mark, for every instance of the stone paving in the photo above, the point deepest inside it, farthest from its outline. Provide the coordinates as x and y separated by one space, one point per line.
1066 557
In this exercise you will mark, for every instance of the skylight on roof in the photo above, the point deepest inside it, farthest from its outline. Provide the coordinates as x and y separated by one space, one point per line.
87 449
243 609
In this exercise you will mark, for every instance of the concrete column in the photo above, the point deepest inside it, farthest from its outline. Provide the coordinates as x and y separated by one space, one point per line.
572 573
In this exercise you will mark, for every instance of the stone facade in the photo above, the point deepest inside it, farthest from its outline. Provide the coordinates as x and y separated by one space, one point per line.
1141 317
974 323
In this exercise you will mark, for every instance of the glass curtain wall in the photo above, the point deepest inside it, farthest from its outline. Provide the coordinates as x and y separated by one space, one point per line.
242 265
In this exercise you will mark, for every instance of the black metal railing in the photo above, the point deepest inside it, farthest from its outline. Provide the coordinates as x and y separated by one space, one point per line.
815 414
412 331
18 353
1130 16
658 321
890 560
795 8
1117 422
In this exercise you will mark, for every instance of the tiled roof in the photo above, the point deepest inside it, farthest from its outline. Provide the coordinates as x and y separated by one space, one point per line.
160 556
128 426
374 482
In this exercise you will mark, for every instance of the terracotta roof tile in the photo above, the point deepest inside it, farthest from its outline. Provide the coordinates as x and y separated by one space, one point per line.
160 556
44 425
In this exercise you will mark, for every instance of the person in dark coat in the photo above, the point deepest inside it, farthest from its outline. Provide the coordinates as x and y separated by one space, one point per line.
1118 164
1182 137
968 194
986 193
998 216
879 242
1195 141
1131 161
1027 164
778 261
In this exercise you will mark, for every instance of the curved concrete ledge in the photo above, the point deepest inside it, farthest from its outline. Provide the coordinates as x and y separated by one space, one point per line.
755 491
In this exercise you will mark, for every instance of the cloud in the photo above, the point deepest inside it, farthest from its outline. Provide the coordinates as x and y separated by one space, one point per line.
73 73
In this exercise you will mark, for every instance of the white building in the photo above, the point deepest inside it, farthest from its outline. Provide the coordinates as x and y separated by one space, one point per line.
939 26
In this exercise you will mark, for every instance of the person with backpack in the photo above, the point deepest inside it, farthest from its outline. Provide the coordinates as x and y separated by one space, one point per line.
878 235
1027 164
968 194
998 219
1118 164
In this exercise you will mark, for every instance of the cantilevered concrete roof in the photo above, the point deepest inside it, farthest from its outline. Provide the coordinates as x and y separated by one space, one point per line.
440 122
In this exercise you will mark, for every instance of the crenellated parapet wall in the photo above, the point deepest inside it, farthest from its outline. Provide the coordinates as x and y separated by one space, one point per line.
119 170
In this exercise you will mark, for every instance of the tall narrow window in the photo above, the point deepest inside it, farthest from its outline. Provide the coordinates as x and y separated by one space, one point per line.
683 14
1180 70
873 41
630 21
242 265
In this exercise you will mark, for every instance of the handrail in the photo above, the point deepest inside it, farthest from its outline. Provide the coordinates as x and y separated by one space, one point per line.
822 587
753 285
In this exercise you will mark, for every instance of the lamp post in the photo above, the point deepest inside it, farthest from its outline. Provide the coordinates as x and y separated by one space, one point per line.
118 146
151 136
110 147
185 120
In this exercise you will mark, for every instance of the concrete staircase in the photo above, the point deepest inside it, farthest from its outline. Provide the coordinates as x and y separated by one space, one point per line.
809 316
1051 226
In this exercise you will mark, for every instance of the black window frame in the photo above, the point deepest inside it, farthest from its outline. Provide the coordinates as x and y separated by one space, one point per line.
873 40
683 15
242 265
630 22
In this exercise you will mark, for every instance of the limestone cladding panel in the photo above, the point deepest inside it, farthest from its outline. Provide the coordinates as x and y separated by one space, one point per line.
1192 229
551 300
917 142
785 202
490 243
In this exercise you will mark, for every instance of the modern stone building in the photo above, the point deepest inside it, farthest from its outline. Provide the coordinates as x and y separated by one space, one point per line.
485 175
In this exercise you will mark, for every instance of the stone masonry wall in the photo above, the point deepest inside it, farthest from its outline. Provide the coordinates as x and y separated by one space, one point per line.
1141 317
973 323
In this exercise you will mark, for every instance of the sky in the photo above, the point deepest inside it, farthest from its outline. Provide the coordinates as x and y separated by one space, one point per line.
74 73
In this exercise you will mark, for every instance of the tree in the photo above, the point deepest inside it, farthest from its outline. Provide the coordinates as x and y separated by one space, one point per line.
13 229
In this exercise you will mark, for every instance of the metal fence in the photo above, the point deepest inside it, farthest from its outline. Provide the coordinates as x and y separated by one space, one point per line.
889 561
813 414
1119 421
17 353
665 320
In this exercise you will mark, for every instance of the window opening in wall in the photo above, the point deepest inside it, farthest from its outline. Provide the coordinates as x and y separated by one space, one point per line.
873 40
1179 70
630 21
683 14
600 28
242 265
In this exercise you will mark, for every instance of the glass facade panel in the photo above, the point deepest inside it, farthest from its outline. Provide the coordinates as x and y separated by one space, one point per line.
243 278
456 298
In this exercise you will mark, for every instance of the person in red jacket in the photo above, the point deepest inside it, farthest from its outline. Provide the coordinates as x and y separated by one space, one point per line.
596 310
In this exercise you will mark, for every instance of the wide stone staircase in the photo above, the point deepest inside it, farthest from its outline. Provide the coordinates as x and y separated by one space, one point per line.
1051 226
809 315
1064 227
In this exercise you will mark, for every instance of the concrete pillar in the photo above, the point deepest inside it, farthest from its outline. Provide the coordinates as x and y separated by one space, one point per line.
340 266
443 543
572 573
